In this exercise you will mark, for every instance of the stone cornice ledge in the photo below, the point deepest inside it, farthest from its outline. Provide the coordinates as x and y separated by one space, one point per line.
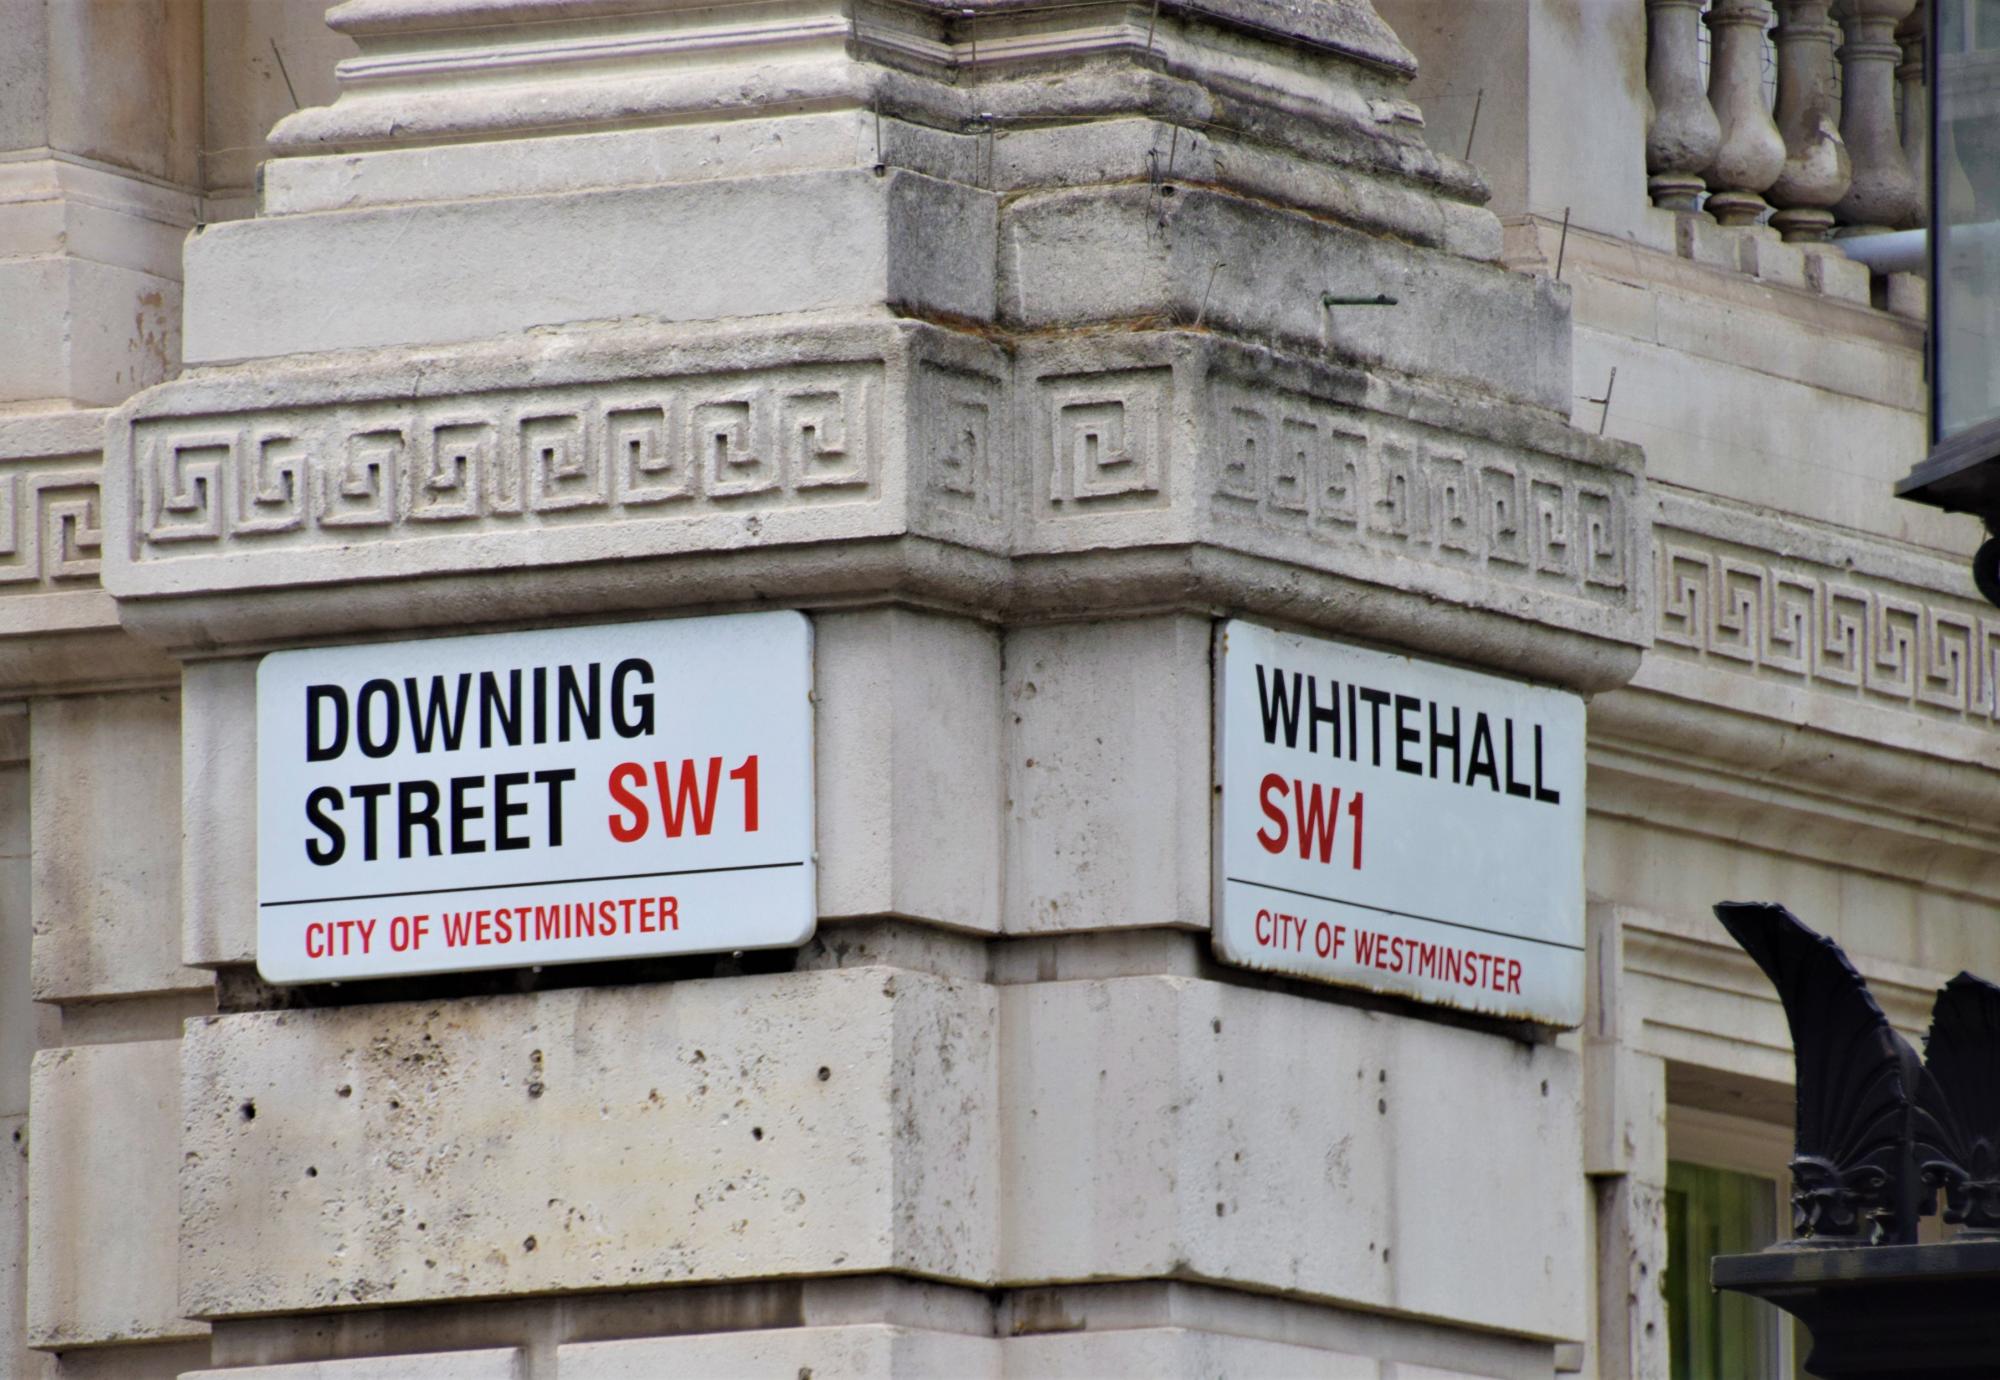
1323 73
815 461
1350 27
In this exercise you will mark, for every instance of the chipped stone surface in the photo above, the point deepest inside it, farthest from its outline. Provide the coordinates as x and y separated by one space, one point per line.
727 1129
1169 1126
101 1170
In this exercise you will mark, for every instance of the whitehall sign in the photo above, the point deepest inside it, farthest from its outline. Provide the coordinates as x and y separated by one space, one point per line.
537 797
1398 825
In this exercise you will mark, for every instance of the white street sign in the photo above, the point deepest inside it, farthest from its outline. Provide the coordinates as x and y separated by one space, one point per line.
1399 825
539 797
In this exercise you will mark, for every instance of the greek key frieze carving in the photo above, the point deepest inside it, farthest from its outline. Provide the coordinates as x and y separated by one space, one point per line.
1287 460
51 530
1826 628
1104 439
959 415
806 435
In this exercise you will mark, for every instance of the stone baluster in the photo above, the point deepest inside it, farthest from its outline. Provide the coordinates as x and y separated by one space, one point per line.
1883 194
1916 105
1752 152
1684 134
1817 170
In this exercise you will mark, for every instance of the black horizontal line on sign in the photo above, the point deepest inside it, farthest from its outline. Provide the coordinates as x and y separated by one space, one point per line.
1405 914
546 881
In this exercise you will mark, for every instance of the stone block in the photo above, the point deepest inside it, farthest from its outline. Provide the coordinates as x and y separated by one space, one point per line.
909 767
1168 1126
1625 1111
105 804
1530 58
102 1206
240 102
24 76
146 1361
90 268
1769 258
17 1007
809 1123
640 156
1771 442
1832 274
1908 295
63 209
1698 237
1334 1336
15 1358
219 812
1142 1353
1630 1335
495 1363
1077 255
858 1351
124 86
1108 775
469 270
31 339
1802 348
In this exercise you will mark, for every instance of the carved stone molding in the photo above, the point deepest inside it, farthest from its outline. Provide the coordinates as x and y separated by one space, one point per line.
426 67
58 629
50 532
654 467
703 443
1899 632
1301 468
1173 439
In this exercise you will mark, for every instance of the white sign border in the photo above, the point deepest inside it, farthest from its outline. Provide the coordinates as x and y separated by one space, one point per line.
1218 871
476 961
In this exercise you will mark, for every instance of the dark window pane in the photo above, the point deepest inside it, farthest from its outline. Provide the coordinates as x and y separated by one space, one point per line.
1967 215
1713 1336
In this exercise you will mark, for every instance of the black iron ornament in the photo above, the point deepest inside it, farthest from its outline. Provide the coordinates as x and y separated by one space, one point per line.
1958 1147
1854 1178
1880 1135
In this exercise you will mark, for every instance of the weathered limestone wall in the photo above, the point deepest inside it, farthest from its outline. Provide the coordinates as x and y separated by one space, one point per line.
101 122
1034 379
100 181
1813 721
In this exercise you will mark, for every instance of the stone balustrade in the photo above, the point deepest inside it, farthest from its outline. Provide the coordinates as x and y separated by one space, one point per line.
1840 150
